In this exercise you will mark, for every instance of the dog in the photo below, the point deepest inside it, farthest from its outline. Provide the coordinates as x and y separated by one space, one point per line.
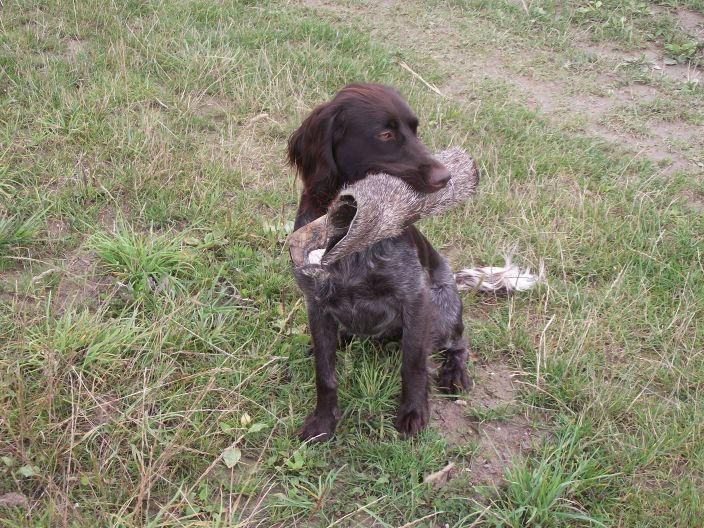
399 288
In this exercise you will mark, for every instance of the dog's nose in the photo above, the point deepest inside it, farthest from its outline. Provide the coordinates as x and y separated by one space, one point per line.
439 176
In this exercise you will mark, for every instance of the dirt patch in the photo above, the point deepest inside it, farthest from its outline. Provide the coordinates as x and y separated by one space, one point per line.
652 60
695 201
501 446
654 147
74 47
105 409
107 218
14 500
500 443
549 97
656 144
692 22
495 384
56 229
451 420
635 92
209 108
80 283
553 98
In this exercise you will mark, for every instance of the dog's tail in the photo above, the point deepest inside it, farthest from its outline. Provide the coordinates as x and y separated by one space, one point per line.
507 278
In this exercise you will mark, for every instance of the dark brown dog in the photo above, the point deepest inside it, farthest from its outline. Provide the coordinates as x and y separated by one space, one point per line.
399 287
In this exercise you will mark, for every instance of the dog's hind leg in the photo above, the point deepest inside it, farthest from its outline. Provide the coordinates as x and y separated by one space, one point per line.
452 377
448 334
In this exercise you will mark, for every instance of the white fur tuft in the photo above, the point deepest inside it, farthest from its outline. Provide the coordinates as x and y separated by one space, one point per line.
507 278
315 256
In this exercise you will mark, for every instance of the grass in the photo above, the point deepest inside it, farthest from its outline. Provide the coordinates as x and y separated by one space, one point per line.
15 231
550 489
153 346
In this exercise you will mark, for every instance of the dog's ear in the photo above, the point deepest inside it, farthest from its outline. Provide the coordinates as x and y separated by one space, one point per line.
310 151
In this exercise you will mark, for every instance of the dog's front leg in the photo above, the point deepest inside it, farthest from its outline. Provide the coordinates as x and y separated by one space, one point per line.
320 425
413 412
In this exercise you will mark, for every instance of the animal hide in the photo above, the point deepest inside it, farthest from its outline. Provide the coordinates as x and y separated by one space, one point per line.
378 207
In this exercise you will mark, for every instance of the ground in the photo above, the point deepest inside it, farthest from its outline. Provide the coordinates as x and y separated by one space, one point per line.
153 345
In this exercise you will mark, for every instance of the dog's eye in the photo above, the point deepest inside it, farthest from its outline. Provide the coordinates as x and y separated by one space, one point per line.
386 135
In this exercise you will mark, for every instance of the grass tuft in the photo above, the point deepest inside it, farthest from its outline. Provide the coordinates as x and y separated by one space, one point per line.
147 263
549 490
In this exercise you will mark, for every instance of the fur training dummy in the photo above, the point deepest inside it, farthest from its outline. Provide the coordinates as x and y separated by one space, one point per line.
381 206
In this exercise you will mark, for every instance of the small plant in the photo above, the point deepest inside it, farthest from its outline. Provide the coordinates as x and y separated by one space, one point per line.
683 52
305 496
486 414
6 184
86 339
692 86
589 7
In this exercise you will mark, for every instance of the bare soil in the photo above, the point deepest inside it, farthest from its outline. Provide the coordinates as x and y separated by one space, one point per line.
74 47
500 443
691 21
80 284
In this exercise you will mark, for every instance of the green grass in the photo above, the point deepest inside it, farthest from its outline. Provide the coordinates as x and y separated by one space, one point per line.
551 488
167 391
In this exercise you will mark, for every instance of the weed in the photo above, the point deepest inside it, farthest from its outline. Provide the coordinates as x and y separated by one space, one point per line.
682 52
145 263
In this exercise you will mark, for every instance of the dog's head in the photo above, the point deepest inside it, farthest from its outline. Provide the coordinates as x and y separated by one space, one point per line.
366 128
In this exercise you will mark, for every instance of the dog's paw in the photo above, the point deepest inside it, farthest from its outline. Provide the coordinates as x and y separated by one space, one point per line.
317 428
412 418
455 381
453 378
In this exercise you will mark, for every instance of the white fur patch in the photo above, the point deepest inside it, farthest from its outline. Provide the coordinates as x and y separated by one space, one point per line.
315 256
508 278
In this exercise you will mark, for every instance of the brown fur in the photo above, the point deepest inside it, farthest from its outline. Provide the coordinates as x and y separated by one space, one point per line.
397 287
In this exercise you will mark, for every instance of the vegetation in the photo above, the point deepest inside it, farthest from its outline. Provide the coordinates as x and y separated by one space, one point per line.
153 344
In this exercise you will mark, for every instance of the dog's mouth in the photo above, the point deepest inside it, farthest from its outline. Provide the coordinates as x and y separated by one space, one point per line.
435 187
428 181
